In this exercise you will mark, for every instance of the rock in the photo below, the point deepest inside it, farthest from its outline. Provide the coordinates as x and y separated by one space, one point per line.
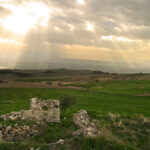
1 137
64 118
8 128
16 133
32 148
86 128
61 141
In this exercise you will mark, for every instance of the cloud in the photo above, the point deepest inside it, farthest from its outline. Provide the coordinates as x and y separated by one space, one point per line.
4 12
73 23
128 18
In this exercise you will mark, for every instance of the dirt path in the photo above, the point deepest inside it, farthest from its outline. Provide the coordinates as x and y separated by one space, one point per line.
18 84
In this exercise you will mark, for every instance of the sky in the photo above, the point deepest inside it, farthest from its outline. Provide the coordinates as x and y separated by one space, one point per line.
107 35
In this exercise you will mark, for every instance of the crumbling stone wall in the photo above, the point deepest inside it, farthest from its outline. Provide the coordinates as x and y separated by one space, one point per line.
86 127
17 132
40 110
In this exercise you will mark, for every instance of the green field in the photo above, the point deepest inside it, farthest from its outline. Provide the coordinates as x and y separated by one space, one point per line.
125 97
129 99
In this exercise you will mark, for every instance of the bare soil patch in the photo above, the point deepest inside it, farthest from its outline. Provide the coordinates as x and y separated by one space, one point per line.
44 84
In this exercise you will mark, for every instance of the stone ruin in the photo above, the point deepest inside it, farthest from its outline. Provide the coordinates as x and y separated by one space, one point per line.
86 128
40 110
16 132
43 111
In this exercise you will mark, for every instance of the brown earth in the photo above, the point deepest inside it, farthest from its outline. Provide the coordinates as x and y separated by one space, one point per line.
43 84
61 78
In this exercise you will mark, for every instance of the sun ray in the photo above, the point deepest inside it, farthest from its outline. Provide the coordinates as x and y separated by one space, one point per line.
82 2
24 18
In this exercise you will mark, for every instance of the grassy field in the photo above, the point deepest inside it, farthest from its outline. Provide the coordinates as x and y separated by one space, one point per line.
124 99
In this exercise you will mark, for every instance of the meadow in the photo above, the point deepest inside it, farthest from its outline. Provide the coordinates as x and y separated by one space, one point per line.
110 102
124 97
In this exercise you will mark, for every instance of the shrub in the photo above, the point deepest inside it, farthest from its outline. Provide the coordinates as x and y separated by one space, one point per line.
60 84
67 101
1 81
49 82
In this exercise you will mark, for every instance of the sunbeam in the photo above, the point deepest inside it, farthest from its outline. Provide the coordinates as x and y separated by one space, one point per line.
26 17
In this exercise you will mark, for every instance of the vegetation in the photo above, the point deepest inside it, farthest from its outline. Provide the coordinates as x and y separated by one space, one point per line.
122 109
77 143
100 143
67 101
98 72
49 82
16 73
2 81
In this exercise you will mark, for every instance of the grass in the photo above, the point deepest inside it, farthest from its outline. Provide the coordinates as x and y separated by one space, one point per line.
99 99
133 130
77 144
100 143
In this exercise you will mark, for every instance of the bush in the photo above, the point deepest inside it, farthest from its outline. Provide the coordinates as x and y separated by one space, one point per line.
1 81
67 101
98 72
49 82
60 84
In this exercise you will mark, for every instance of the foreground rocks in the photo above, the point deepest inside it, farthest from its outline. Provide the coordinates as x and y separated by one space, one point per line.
86 128
40 110
16 133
